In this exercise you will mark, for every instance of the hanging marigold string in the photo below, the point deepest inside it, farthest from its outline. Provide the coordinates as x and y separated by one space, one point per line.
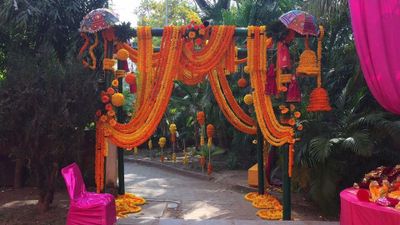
273 132
196 64
130 135
231 99
226 109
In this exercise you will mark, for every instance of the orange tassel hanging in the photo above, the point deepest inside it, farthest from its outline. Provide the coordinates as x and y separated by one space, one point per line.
209 168
201 118
210 134
202 161
319 101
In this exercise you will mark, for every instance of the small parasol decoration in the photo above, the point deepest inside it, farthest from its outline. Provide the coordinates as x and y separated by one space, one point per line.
93 22
301 22
97 20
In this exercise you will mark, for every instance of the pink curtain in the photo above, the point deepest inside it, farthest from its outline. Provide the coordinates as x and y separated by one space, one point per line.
376 27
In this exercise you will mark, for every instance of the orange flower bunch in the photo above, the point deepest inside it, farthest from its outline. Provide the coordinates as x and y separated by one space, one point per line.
195 34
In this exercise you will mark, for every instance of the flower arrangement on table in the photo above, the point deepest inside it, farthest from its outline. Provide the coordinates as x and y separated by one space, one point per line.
381 186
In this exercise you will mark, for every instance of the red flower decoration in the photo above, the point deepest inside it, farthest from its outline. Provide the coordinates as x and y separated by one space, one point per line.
105 99
109 107
199 41
98 113
110 91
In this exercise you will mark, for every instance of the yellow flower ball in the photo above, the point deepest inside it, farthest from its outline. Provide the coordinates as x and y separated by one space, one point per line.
246 69
162 141
117 99
115 83
122 54
248 99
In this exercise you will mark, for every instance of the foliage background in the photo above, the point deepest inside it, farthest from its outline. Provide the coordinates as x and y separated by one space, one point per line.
46 98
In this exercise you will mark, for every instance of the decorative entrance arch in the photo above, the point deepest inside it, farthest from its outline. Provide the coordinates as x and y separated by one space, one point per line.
178 60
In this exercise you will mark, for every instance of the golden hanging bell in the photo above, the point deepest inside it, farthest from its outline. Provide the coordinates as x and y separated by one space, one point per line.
308 62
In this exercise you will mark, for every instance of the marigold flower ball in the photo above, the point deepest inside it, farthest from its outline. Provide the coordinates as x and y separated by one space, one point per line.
130 78
172 128
162 141
242 82
117 99
248 99
122 54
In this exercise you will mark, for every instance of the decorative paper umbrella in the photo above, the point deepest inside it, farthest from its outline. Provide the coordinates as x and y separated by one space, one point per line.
98 19
301 22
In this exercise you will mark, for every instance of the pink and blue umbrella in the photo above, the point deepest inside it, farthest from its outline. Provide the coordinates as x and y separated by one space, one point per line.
301 22
97 20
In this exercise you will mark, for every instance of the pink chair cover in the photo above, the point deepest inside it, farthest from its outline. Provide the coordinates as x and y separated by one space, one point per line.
356 212
86 208
376 33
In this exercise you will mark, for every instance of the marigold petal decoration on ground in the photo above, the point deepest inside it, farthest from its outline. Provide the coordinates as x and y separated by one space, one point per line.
251 196
266 201
270 214
128 203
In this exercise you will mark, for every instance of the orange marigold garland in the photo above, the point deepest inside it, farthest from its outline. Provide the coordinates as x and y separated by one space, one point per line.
231 116
128 203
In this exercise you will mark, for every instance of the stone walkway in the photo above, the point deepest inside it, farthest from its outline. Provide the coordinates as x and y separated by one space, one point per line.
184 200
184 197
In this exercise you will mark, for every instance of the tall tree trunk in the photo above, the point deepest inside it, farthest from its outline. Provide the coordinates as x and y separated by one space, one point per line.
46 177
19 166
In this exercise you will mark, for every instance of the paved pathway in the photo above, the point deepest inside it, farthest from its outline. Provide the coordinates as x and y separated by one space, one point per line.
185 200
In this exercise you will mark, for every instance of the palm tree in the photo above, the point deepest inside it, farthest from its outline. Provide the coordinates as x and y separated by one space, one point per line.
339 147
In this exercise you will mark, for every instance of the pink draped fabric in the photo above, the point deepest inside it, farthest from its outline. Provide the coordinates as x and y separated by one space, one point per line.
86 208
356 212
376 26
